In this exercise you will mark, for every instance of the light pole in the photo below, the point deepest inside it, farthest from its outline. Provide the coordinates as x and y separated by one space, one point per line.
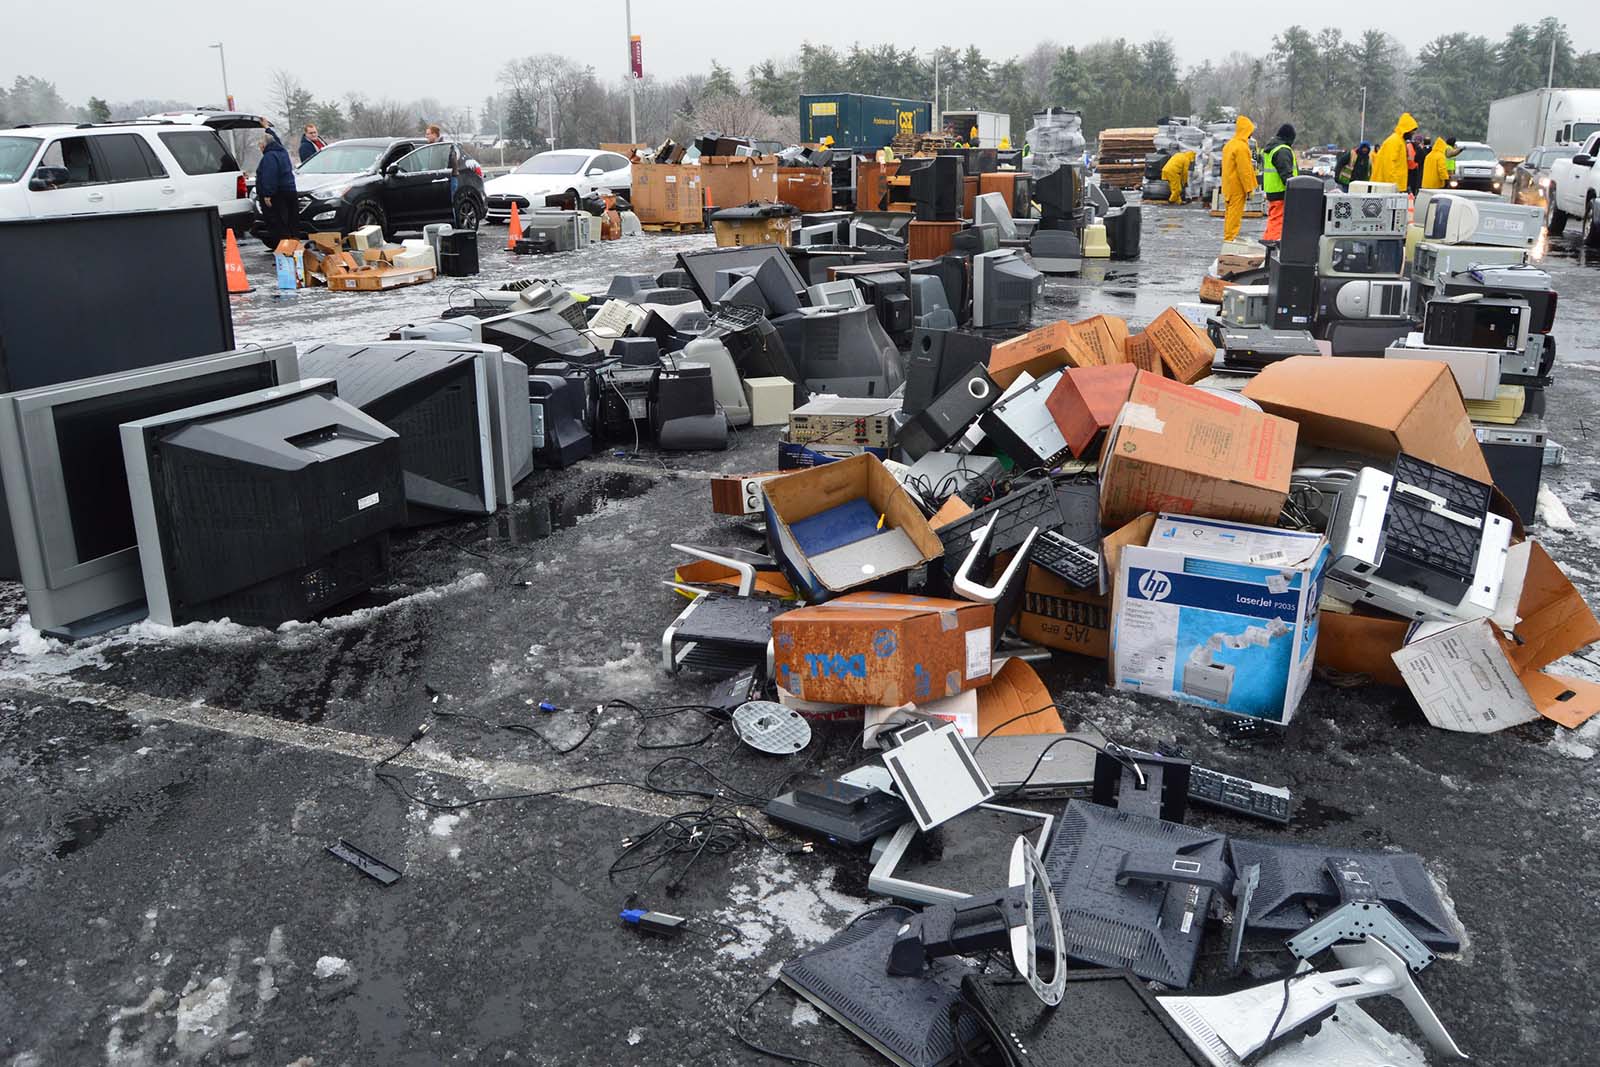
222 57
500 112
633 124
1362 136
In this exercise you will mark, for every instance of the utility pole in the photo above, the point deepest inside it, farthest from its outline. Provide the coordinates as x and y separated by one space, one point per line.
552 137
1363 135
938 115
1550 75
633 122
227 97
500 110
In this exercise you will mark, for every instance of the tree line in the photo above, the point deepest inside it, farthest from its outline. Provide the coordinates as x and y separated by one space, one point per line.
1318 80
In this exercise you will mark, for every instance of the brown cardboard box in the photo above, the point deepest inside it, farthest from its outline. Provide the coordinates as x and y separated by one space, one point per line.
1106 338
668 194
796 497
1086 401
737 180
339 263
1180 449
807 188
952 509
1061 616
883 648
330 241
1180 346
1038 352
1376 407
738 232
1005 704
1361 642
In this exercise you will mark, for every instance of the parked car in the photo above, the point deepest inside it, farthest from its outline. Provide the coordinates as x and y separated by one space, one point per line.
1574 186
64 168
1322 166
394 183
1532 176
1477 167
579 171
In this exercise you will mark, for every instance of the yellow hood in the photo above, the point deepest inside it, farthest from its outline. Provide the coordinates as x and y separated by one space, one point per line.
1244 128
1439 145
1406 124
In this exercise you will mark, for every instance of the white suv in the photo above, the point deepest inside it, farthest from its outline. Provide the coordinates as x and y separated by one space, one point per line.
63 169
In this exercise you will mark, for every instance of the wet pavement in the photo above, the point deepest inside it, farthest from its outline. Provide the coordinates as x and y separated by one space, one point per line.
169 794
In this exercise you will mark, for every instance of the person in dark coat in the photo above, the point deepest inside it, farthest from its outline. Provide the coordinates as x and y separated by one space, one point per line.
310 143
275 189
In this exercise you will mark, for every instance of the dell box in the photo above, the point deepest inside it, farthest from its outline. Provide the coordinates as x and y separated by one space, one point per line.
1219 614
883 648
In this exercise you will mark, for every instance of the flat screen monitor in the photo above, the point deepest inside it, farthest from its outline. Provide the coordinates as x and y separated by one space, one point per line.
461 411
262 508
68 497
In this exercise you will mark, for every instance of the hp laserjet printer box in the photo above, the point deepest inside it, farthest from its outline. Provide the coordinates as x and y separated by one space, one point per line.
1219 614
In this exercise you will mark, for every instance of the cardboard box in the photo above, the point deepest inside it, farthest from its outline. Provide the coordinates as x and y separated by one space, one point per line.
1375 407
740 232
326 242
1180 449
668 194
1472 678
883 648
1038 352
807 188
732 181
1087 400
1173 342
1197 618
288 259
1062 616
376 279
1105 337
1362 642
1017 690
844 525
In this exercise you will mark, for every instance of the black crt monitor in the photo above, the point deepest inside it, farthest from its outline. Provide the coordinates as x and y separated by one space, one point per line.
461 411
757 348
842 350
68 497
975 240
936 186
886 288
262 508
704 265
70 309
951 270
813 262
1296 888
536 337
1060 197
1134 890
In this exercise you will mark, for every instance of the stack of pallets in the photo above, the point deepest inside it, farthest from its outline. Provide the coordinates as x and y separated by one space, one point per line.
1122 155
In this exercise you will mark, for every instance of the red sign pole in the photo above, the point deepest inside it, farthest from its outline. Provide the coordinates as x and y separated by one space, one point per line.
636 55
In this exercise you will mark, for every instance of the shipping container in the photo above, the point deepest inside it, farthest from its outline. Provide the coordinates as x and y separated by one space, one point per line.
1519 124
857 121
992 126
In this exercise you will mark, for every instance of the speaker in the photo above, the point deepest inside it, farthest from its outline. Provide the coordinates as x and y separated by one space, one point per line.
682 391
1123 226
949 415
694 433
1302 221
937 359
1291 294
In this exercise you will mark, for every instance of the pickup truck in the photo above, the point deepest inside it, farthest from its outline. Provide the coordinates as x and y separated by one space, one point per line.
1574 185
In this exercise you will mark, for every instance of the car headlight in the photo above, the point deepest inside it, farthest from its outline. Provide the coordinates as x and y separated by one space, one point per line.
1544 183
1499 171
331 192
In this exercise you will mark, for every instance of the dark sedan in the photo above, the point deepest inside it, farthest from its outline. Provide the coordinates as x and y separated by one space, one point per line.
1532 176
395 183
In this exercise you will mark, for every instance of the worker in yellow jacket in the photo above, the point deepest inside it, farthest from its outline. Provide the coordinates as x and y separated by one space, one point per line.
1389 161
1238 177
1176 175
1436 168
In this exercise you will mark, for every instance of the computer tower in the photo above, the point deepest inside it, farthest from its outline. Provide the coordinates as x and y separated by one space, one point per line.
1524 283
557 404
1360 256
1302 221
262 508
458 253
1433 259
1369 337
1123 226
1291 294
1374 214
1490 322
1362 299
1515 455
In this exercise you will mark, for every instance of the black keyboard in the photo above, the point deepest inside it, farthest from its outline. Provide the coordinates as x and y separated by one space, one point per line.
1066 559
1018 512
1238 795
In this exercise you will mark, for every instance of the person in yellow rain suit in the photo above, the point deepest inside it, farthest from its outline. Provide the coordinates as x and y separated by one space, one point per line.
1389 161
1176 175
1436 168
1238 177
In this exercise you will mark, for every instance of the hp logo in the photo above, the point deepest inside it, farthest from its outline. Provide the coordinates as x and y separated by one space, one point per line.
1153 585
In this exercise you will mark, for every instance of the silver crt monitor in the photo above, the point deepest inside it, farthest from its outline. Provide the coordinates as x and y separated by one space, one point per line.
67 488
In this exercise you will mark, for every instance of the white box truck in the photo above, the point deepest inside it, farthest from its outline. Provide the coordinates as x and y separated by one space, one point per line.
992 127
1519 124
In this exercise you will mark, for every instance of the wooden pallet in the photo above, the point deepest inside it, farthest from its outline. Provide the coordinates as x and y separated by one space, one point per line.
673 227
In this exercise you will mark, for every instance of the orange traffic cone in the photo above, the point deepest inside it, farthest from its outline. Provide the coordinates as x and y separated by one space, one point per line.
233 266
514 234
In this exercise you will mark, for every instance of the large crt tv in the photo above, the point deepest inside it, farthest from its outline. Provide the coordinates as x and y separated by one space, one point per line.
67 490
266 507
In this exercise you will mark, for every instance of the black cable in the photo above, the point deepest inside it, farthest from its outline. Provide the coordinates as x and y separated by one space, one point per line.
694 834
648 715
591 717
1282 1010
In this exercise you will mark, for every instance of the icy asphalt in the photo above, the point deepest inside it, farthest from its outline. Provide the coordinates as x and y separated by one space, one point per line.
165 896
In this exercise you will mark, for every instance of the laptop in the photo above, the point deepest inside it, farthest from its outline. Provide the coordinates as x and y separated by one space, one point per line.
1065 771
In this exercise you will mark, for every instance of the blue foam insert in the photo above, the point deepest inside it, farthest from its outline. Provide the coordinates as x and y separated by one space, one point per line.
843 524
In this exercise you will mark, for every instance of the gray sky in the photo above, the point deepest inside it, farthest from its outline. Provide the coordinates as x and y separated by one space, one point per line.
408 49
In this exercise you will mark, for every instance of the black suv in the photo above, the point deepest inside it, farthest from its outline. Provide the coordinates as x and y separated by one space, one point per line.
396 183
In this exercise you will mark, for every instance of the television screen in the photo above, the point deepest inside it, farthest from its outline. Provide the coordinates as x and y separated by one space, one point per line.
87 295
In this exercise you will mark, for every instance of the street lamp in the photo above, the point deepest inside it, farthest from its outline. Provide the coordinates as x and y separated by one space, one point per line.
633 125
1363 134
222 57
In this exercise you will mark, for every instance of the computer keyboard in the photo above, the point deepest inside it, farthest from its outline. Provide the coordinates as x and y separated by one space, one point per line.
1238 795
1018 513
1066 559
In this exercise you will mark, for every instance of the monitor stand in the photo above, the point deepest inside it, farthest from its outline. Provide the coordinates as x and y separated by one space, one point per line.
106 621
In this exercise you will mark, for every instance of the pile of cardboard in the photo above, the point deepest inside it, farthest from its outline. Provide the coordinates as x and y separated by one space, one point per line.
361 262
1122 154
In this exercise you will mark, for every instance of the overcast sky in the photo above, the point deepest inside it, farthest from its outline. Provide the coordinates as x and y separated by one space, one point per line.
409 49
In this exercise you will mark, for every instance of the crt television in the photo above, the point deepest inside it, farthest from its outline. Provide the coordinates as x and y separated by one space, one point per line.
264 507
67 495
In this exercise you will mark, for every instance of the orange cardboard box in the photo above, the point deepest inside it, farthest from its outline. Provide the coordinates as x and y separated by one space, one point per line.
737 180
1106 338
883 648
1005 704
1176 344
1180 449
1376 407
1087 400
1038 352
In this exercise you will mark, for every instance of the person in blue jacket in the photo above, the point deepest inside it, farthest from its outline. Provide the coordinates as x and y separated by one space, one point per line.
275 189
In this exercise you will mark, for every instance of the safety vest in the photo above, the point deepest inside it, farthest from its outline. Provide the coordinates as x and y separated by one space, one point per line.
1347 172
1271 180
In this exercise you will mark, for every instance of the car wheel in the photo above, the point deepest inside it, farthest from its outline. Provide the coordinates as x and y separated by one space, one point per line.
1555 220
1591 224
468 211
369 212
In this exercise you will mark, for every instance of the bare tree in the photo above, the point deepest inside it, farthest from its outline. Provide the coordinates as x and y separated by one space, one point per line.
738 115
